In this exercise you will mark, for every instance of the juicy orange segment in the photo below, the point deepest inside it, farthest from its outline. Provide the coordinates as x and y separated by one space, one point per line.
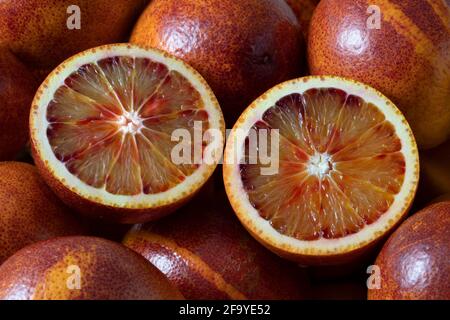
111 121
340 165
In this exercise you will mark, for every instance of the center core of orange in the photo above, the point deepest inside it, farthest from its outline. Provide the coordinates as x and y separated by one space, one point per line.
130 122
320 164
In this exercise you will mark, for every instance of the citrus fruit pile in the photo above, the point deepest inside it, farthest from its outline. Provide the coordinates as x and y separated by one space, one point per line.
118 182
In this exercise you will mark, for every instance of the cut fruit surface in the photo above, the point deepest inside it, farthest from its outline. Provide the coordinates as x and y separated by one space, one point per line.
346 168
103 125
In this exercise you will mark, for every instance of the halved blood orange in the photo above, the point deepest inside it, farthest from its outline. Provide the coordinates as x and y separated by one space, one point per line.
346 171
102 129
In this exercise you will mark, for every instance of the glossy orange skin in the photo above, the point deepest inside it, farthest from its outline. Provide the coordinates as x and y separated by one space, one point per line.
17 87
242 48
43 46
29 211
407 59
414 261
303 9
209 242
107 270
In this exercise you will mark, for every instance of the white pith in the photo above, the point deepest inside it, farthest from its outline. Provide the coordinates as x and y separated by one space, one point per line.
318 165
129 122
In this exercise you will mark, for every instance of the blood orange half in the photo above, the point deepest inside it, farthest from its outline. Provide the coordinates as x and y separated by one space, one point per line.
346 169
102 130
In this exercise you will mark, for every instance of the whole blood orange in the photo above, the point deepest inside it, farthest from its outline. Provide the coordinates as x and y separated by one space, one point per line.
82 268
242 48
414 262
17 87
205 252
30 212
339 170
400 47
43 33
125 133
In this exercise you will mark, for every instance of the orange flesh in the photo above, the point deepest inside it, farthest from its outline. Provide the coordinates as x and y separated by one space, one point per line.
111 125
340 165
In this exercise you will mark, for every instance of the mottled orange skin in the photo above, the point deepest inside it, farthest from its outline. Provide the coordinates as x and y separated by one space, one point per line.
242 48
29 211
407 59
17 87
414 261
434 173
210 243
303 9
36 30
108 271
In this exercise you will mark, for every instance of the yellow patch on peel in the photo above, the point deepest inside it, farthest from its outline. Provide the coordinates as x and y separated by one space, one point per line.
442 12
392 14
59 281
